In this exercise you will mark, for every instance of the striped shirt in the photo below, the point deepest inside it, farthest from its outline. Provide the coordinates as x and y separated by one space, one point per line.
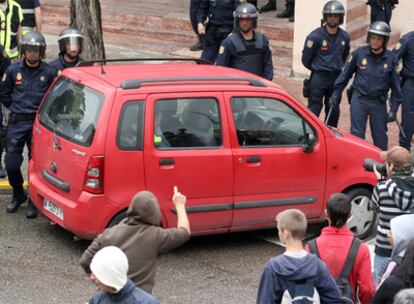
388 201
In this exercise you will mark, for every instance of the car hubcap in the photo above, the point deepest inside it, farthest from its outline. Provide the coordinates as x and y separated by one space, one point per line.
362 217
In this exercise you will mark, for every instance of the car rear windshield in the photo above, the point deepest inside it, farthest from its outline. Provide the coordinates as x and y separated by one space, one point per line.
71 111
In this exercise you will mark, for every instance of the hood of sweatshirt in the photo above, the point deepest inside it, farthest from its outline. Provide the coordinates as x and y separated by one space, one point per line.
296 268
402 230
144 208
401 189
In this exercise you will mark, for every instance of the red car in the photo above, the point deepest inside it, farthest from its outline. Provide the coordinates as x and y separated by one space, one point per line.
240 147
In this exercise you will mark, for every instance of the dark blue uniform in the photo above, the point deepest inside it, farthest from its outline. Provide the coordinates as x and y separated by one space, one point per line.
405 51
21 91
4 64
220 15
324 55
379 11
252 55
59 64
374 76
194 6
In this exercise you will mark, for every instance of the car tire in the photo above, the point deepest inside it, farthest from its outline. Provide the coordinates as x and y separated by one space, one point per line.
120 218
363 219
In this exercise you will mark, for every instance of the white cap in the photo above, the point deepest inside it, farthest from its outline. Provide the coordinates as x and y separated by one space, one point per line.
110 266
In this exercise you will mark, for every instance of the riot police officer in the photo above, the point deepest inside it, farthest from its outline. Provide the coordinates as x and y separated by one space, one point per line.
22 88
246 49
375 70
70 46
4 64
325 52
381 10
404 49
220 24
32 15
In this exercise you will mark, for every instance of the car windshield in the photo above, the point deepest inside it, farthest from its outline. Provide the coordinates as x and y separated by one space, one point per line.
71 110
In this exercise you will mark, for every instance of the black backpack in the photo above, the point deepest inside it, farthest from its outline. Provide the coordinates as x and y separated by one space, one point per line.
347 294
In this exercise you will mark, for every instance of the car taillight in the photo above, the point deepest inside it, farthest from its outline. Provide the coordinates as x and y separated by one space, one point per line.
94 175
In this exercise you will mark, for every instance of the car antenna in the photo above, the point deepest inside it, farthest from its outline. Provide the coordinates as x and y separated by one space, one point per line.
102 69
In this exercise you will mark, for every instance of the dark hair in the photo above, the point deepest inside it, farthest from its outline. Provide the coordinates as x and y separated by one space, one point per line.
407 266
339 209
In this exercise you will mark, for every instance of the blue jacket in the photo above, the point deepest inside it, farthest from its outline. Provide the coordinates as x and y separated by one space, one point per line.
219 12
129 294
4 61
323 52
22 88
405 51
59 64
375 75
281 269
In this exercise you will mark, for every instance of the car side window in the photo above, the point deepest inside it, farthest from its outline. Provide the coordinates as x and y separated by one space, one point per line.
267 122
187 123
130 126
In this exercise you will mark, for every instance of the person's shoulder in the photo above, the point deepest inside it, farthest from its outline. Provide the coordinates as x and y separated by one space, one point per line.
344 34
98 297
316 34
362 50
142 297
264 37
48 68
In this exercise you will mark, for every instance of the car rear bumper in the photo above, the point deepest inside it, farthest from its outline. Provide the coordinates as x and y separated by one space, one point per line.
82 217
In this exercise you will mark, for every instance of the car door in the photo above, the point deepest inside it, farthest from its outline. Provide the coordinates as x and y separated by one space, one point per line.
272 170
124 155
187 145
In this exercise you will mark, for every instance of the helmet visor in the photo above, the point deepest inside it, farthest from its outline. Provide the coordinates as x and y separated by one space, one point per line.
73 44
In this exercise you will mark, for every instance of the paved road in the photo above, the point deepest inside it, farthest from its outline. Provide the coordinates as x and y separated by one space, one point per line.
39 264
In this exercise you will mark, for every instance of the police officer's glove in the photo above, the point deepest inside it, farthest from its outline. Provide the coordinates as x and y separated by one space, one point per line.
333 103
392 116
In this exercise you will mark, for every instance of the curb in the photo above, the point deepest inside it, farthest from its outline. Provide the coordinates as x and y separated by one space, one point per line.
5 187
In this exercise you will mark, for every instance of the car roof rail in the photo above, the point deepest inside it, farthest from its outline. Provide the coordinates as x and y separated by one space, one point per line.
136 84
103 61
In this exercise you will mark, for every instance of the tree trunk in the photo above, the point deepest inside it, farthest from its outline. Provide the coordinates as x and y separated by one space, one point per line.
85 15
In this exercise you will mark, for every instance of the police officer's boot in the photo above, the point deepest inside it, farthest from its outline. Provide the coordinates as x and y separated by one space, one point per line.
19 197
2 170
31 211
269 6
289 10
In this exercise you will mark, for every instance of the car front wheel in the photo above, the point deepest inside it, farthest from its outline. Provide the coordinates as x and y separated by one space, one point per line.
363 219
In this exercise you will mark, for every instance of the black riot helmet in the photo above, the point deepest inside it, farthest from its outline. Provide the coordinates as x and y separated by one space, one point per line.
333 8
380 28
245 10
73 38
33 41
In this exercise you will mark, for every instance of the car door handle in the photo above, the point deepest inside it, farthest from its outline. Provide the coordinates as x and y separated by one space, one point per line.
166 161
254 159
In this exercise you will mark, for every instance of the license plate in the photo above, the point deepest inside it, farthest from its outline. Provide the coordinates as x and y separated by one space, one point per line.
53 208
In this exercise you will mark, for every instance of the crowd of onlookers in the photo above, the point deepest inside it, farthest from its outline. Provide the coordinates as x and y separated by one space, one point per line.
333 268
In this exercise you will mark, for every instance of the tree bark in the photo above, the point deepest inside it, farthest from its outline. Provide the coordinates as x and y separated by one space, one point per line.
85 15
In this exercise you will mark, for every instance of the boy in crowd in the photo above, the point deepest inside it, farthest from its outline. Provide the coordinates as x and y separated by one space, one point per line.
335 243
295 266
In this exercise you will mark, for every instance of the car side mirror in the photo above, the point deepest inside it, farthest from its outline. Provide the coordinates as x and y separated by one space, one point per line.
310 142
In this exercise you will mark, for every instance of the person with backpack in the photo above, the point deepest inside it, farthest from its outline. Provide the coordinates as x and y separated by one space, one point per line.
296 276
350 268
401 279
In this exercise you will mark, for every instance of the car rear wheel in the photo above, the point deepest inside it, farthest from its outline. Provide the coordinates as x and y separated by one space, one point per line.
363 219
120 218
